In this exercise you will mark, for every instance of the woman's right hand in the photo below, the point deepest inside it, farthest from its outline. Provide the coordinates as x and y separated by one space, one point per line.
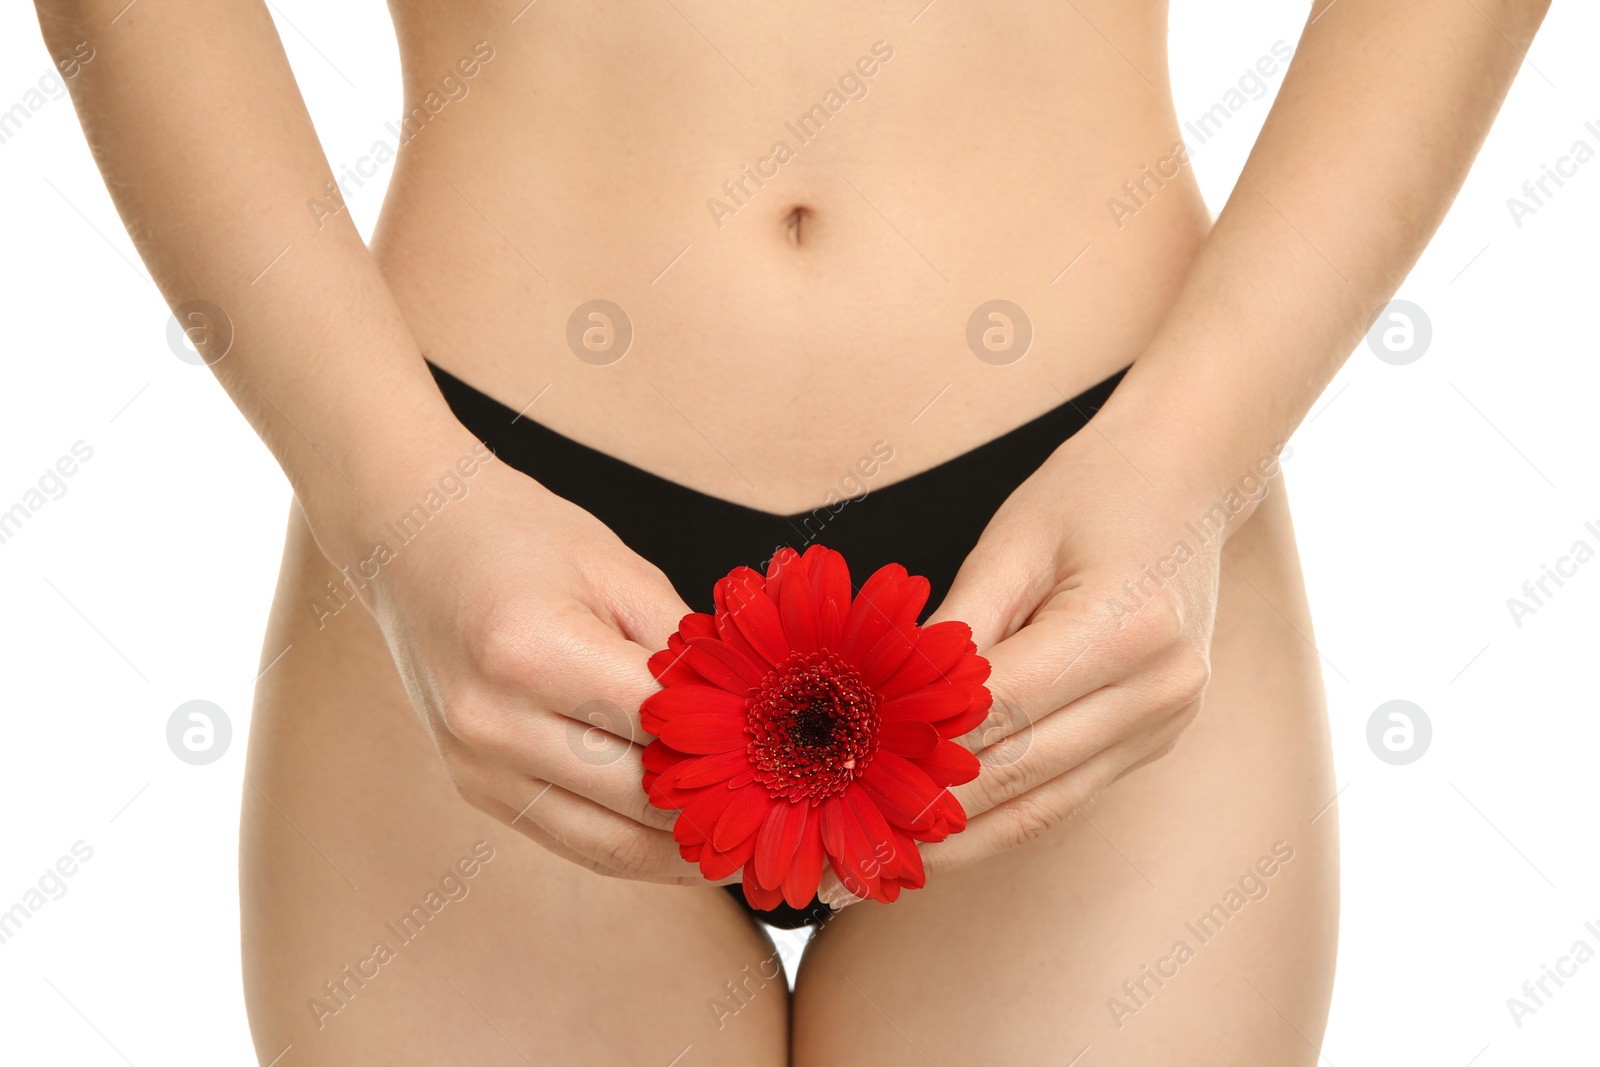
522 627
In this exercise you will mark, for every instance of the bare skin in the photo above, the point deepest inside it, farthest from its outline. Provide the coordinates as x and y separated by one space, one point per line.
573 154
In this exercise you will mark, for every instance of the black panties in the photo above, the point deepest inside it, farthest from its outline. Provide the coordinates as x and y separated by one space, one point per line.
927 522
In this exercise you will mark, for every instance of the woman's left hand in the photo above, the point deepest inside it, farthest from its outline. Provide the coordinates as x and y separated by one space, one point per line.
1092 592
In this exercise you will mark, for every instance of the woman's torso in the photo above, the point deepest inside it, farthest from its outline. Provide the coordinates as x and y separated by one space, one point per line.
559 154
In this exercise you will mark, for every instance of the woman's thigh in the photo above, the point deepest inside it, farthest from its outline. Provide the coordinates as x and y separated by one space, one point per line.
1188 916
385 921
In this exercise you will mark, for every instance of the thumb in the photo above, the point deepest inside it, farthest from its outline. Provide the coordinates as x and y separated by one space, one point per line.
648 607
990 593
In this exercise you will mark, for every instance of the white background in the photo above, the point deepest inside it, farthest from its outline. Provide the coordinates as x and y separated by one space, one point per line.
1424 494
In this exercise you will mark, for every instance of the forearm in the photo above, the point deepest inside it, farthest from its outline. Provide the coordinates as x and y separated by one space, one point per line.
195 120
1379 118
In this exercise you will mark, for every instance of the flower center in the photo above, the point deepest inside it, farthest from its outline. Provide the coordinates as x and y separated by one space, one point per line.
815 727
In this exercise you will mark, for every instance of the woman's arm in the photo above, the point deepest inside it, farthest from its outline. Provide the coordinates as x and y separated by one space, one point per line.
195 120
1097 664
515 610
1381 114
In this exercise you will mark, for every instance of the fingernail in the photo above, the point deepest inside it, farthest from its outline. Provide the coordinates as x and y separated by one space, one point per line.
837 897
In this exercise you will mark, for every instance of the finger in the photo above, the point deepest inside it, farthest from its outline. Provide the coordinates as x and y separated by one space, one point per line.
507 814
587 672
610 843
575 665
1026 817
1055 660
832 892
990 594
536 833
1121 717
616 845
644 603
586 759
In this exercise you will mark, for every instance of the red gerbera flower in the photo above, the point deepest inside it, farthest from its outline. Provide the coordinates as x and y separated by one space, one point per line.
797 724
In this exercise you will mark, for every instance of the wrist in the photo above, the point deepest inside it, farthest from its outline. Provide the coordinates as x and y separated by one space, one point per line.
396 479
1211 457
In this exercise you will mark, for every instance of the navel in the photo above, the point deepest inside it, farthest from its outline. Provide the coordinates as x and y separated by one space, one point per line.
796 223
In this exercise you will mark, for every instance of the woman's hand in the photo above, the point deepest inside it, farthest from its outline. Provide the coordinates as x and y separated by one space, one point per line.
521 626
1092 592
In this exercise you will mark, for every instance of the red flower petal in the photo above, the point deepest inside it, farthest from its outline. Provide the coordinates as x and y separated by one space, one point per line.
677 700
699 624
830 628
869 614
940 647
728 630
805 874
857 866
718 865
742 818
780 563
950 814
950 764
930 704
779 838
706 734
972 670
913 597
830 577
757 618
666 789
966 721
881 841
831 822
759 897
798 607
785 564
904 792
699 817
909 737
723 665
670 668
887 656
912 873
709 770
658 757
